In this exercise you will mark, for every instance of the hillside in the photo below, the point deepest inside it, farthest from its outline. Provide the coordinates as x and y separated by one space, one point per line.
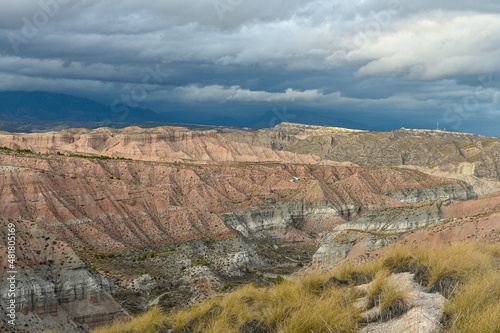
459 153
41 105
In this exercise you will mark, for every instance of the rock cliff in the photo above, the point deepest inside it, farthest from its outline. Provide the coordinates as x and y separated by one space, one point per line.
55 289
461 153
159 144
376 228
158 205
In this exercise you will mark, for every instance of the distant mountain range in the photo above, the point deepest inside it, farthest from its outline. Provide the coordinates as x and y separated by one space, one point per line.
29 111
47 106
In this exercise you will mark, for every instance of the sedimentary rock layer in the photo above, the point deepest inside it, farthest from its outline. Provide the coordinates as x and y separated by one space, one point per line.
112 205
160 144
54 288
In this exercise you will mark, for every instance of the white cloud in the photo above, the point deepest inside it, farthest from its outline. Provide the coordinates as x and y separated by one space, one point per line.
430 47
220 95
216 93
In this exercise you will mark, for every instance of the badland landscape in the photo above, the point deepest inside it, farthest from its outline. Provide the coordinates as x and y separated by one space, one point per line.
111 222
252 167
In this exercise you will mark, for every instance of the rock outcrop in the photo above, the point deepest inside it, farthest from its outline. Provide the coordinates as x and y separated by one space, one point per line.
377 228
424 315
55 289
297 220
153 205
453 192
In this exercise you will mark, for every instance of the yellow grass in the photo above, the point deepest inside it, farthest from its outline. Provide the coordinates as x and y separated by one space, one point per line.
146 323
468 273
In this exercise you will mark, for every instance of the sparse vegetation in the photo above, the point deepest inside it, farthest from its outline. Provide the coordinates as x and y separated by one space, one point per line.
25 151
468 273
99 157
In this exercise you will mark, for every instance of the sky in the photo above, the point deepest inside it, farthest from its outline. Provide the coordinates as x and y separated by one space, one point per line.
383 63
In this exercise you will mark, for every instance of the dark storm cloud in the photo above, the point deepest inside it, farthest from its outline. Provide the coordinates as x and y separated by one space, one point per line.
373 58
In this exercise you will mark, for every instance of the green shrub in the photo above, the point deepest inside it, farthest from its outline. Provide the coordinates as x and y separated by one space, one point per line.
26 151
280 280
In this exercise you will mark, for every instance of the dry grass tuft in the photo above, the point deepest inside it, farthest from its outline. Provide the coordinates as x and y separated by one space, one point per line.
393 302
149 322
467 273
384 294
476 307
378 285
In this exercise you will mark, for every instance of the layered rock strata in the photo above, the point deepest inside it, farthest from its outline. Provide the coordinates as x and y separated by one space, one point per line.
54 288
377 228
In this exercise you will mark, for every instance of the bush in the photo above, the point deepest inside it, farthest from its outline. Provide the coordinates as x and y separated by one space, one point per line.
99 157
26 151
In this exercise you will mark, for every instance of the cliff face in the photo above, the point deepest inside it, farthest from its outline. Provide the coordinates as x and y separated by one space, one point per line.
372 231
55 289
154 205
377 228
455 192
290 221
160 144
460 153
431 149
441 222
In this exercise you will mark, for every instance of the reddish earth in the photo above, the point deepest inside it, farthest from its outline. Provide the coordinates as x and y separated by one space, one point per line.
157 144
151 204
474 220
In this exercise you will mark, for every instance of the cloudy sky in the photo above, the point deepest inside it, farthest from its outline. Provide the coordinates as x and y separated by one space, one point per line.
383 63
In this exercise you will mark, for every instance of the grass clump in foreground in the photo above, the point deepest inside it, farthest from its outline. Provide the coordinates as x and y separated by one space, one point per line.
468 273
391 300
